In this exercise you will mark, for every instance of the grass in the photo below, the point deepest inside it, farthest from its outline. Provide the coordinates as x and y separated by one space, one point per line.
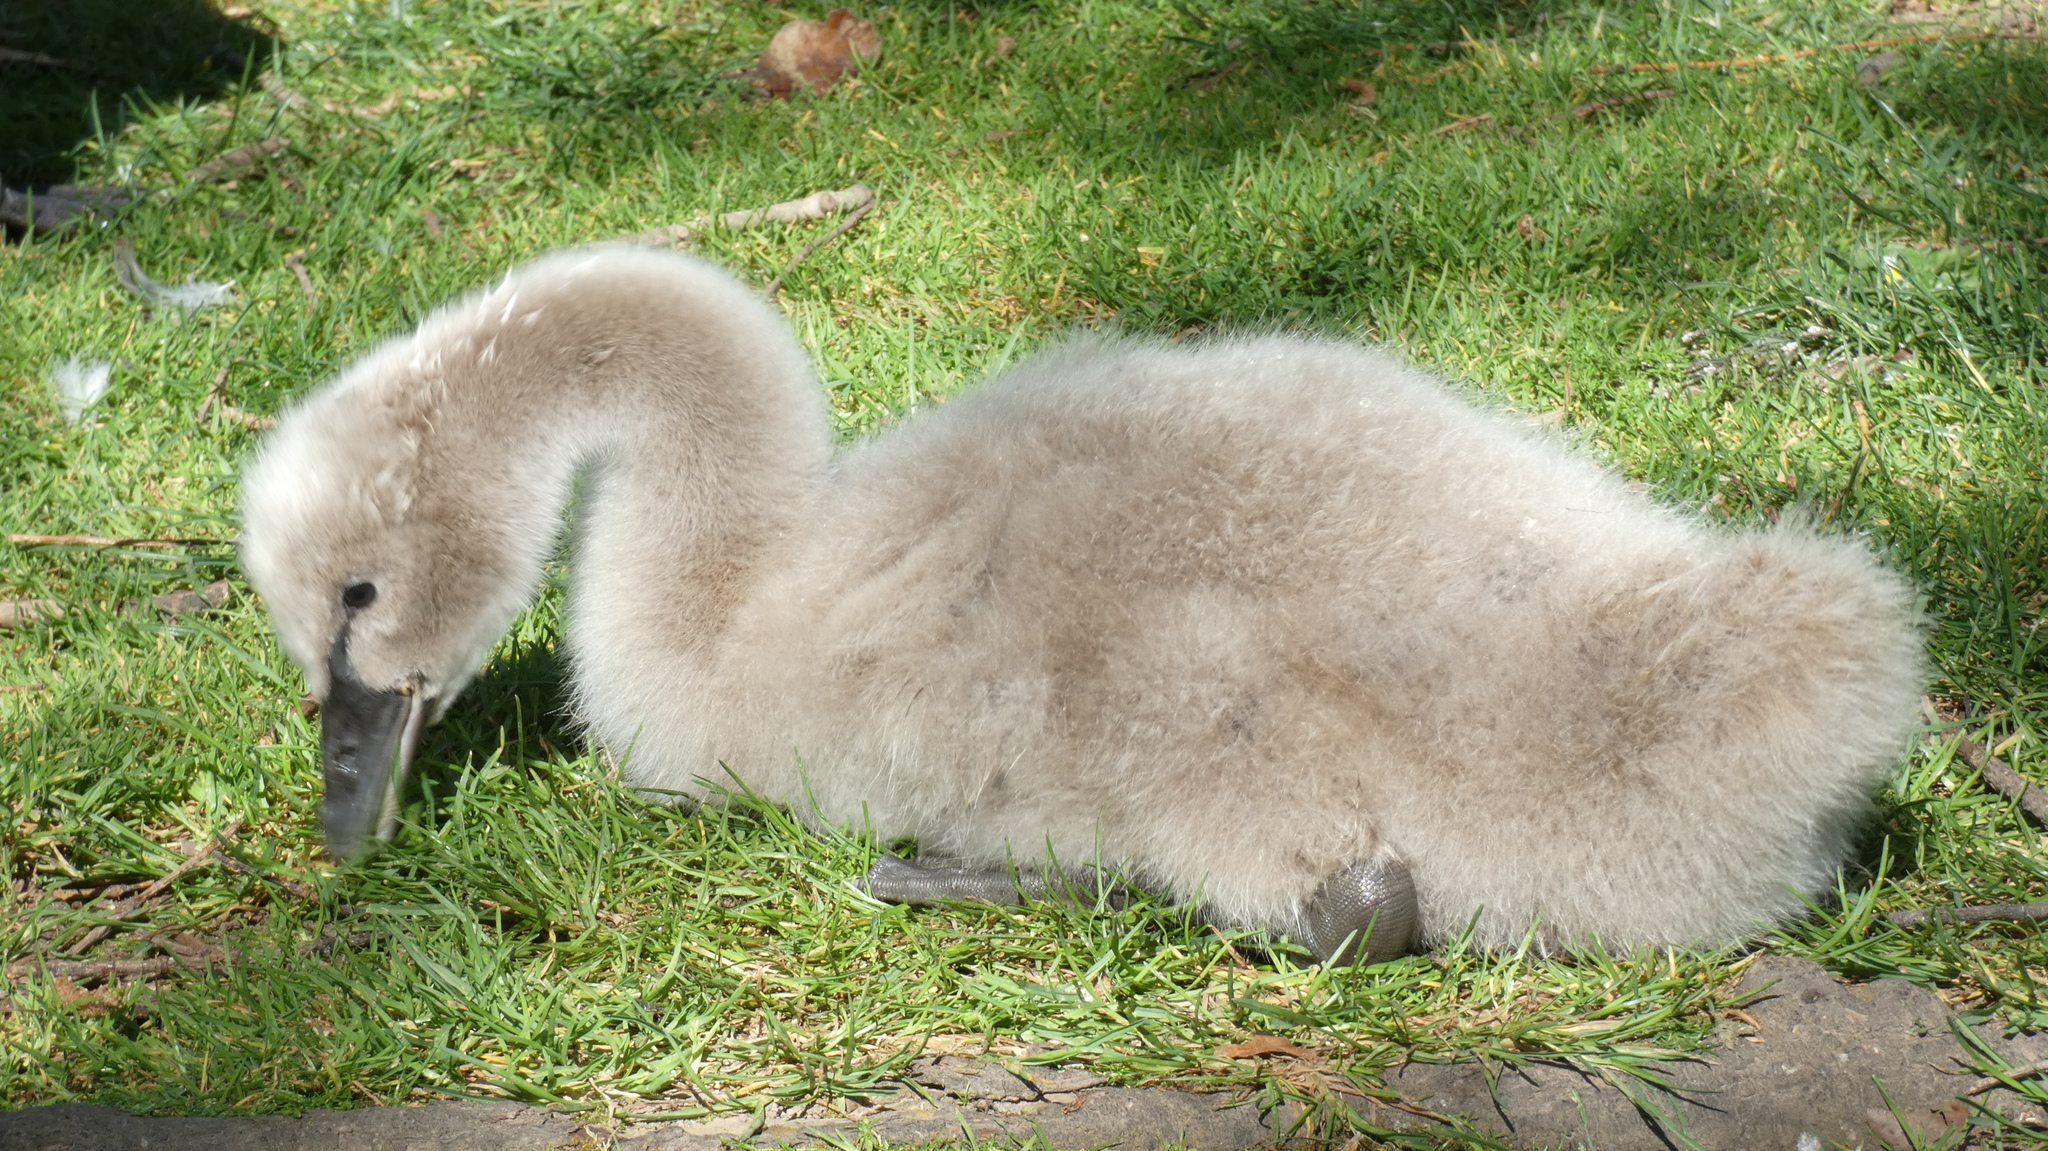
1774 286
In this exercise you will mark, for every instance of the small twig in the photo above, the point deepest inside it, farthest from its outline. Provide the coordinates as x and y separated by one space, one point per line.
249 420
23 612
845 226
17 56
1987 913
1804 53
815 206
83 897
73 541
1586 110
2020 1072
276 87
1462 123
246 156
212 393
2005 780
155 889
1229 948
299 269
328 944
1207 81
93 968
291 887
212 597
1738 1013
2001 777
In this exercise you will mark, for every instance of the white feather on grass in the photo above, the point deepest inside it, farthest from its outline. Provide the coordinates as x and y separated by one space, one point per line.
79 384
191 296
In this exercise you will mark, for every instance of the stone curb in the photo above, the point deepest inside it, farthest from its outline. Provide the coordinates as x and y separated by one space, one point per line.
1806 1058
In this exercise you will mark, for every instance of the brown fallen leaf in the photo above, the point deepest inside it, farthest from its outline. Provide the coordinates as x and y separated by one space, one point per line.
1871 71
185 601
808 55
1739 1014
246 156
212 597
1207 81
298 269
1592 107
249 420
1263 1045
23 612
1462 123
270 83
1366 89
76 998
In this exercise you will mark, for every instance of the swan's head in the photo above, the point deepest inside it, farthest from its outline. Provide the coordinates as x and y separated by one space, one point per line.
387 573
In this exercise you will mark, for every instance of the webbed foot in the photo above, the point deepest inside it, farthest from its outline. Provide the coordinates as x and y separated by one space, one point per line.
1364 914
894 880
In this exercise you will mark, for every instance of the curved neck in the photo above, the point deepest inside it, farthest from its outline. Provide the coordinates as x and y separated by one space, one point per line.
682 397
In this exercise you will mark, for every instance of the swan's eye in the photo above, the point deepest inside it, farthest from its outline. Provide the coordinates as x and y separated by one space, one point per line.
359 595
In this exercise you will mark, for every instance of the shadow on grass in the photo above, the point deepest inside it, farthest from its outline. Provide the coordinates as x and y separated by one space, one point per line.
520 703
71 69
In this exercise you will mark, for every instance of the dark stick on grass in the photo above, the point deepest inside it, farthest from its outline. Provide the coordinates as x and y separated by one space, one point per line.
2021 1072
1587 110
290 887
1988 913
298 268
846 225
815 206
276 87
155 889
2004 780
246 156
25 539
92 969
212 394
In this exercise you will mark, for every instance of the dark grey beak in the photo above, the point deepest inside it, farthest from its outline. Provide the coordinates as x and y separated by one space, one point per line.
366 744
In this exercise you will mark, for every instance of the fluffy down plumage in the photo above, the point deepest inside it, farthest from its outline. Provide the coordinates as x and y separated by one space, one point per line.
1230 617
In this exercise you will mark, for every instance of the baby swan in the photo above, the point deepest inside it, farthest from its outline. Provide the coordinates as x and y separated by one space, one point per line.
1273 624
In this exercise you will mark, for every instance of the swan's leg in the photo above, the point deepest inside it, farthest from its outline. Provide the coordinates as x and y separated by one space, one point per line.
894 880
1363 914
